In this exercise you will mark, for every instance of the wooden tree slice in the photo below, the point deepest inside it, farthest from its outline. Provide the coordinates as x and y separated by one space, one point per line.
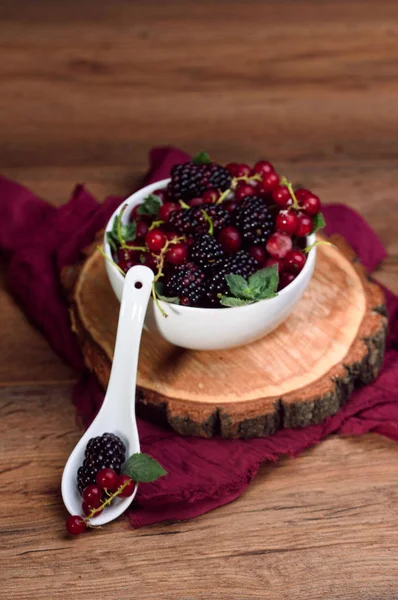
296 376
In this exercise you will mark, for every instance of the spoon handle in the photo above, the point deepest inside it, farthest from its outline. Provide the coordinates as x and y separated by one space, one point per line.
119 402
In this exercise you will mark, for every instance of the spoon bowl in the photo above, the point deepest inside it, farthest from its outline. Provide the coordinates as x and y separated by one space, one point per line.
117 413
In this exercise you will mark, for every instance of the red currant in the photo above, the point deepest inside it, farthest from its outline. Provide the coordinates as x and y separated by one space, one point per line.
281 195
305 225
279 244
171 235
259 253
230 205
106 479
196 202
149 261
210 196
129 489
155 240
287 221
75 525
242 170
230 239
92 495
285 279
311 205
275 261
126 265
134 215
166 209
87 509
243 190
177 253
294 261
263 167
270 182
232 168
141 230
126 255
301 194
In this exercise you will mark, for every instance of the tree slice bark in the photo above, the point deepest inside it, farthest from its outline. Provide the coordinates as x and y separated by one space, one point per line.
296 376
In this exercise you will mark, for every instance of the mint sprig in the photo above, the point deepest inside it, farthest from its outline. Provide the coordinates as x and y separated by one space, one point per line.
143 468
318 222
202 159
260 286
150 206
120 233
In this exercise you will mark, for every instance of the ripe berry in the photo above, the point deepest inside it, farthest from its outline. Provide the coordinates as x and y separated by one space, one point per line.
287 221
243 190
209 197
258 252
92 495
279 244
311 205
294 261
75 525
281 195
177 253
270 182
285 279
230 205
129 489
196 202
106 479
141 230
134 214
275 261
87 509
166 209
148 260
305 225
263 167
230 239
161 194
242 170
232 168
155 240
301 194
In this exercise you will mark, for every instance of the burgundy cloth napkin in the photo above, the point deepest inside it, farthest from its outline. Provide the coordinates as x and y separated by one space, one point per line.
38 239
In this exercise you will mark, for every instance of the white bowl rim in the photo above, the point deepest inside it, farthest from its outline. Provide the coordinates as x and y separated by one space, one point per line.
159 185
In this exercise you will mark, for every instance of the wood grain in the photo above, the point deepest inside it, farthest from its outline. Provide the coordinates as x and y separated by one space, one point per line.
86 89
298 375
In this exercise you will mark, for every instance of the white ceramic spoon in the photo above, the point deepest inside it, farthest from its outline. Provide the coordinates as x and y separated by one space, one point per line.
117 414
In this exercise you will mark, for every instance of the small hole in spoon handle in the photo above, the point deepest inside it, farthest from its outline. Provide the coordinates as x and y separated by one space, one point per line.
138 285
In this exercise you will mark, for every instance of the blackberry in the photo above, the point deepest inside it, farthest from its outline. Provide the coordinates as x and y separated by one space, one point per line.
207 252
103 451
188 283
190 180
240 264
254 219
192 221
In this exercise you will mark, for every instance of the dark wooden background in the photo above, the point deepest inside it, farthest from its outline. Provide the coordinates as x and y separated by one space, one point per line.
86 88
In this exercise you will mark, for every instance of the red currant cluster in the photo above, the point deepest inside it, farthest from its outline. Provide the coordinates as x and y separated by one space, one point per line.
212 221
109 485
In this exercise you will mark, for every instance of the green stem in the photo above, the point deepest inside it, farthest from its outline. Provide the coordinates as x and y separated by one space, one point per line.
156 300
317 243
210 222
106 502
184 204
155 224
286 183
100 250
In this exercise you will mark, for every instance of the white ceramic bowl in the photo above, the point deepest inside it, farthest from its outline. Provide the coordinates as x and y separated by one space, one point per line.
211 328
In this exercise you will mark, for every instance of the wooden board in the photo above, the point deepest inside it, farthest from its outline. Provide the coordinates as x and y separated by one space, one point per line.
296 376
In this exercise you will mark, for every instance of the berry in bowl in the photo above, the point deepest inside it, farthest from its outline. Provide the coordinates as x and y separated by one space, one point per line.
232 249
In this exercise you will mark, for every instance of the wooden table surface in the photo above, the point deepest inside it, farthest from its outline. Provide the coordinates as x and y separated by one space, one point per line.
86 89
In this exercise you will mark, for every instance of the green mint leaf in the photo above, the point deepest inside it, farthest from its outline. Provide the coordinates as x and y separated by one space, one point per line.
143 468
150 206
112 241
264 283
239 287
318 222
228 301
128 231
201 159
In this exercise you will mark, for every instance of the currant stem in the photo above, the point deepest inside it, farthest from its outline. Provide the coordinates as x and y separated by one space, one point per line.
105 502
210 222
100 250
155 224
286 183
318 243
